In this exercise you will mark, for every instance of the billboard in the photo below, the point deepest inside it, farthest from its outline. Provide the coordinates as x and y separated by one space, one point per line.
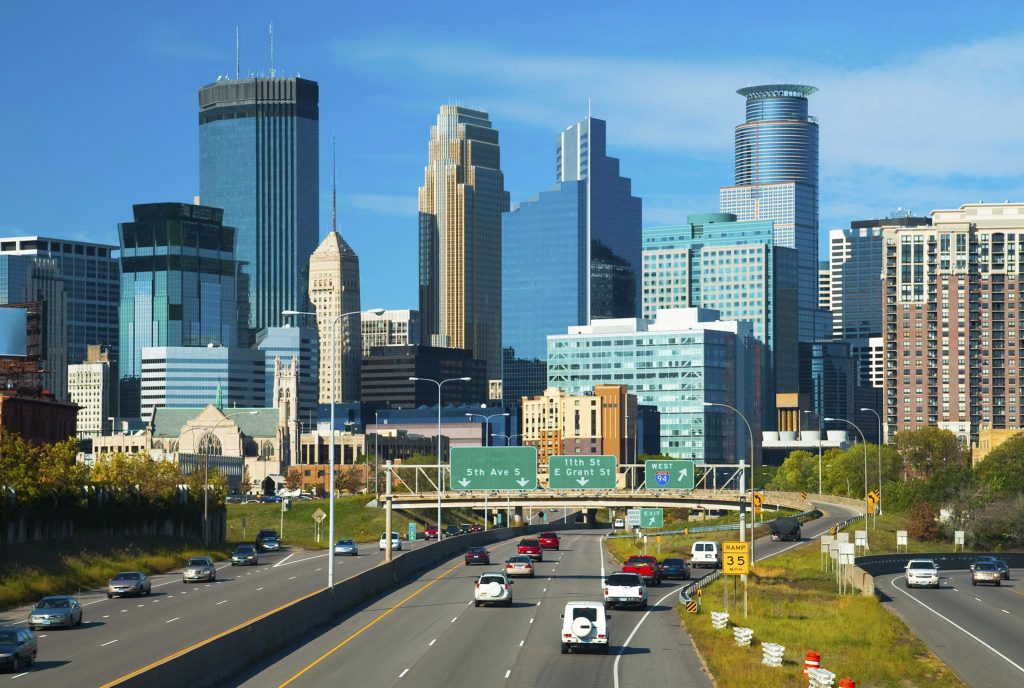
13 328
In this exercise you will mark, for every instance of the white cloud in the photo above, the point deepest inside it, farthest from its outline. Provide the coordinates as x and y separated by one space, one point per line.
385 204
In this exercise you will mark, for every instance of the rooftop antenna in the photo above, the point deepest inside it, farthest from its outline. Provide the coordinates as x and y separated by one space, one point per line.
238 66
334 185
272 73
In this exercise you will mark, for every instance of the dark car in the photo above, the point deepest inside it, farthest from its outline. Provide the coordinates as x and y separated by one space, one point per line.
234 499
270 499
477 555
465 528
133 583
451 531
55 610
245 555
269 543
17 648
674 567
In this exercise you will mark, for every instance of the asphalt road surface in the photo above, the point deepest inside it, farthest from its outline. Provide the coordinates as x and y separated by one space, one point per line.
977 631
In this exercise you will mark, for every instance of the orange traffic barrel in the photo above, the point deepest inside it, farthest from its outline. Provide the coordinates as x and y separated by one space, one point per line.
812 660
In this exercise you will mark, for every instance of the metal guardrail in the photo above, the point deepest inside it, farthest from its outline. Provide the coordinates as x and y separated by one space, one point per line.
706 529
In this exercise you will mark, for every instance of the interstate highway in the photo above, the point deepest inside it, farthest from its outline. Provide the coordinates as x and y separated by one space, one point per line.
978 632
124 634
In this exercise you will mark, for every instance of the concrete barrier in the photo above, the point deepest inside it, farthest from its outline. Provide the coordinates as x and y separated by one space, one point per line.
862 574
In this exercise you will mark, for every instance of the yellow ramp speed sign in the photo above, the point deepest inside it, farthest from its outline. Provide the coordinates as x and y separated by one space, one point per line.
735 558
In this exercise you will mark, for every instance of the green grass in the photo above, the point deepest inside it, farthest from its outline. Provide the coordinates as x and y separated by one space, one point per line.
882 537
30 571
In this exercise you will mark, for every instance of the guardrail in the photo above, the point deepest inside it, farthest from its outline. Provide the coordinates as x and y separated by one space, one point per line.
711 529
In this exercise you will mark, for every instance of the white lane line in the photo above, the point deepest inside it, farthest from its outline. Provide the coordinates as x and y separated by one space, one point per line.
521 643
978 598
291 577
220 603
432 642
106 616
952 623
142 605
403 673
538 602
454 619
123 611
281 563
299 561
258 589
320 569
19 675
42 635
545 589
508 673
1004 611
622 648
174 619
531 620
549 579
109 642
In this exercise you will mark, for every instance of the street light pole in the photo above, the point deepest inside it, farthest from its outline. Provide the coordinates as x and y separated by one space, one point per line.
818 416
439 481
487 421
330 447
865 443
508 438
376 454
880 440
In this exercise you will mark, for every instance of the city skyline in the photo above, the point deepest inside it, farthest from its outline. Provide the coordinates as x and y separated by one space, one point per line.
880 111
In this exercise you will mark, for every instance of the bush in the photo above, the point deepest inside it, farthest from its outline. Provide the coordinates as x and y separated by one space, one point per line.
923 523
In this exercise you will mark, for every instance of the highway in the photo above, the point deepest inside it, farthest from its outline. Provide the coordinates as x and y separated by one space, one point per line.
977 631
123 634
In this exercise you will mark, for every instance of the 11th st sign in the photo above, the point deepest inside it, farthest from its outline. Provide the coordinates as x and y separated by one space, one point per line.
668 475
494 468
581 472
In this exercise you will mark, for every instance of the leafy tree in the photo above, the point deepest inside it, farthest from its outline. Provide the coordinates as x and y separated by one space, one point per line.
1001 472
798 473
923 524
927 450
41 473
348 479
156 481
293 479
246 480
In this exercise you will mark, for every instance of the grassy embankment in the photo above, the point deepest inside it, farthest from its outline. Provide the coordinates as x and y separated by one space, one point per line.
793 603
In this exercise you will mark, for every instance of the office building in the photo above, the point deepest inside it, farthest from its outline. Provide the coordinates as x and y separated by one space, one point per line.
953 319
284 344
334 291
35 282
386 373
90 275
676 362
259 160
736 268
824 286
36 416
580 239
460 206
89 386
390 328
180 287
192 376
777 180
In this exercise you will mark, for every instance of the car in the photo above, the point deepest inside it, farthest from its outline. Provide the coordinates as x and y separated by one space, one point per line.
532 547
129 583
396 541
270 499
430 533
705 554
785 528
18 647
493 588
465 528
986 572
477 555
585 624
921 573
265 532
476 528
984 557
519 565
55 610
245 555
234 499
1004 568
548 540
451 531
674 567
645 566
346 546
625 589
619 524
268 543
199 569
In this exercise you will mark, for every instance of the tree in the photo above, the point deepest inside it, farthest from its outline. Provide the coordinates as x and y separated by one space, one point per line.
348 479
923 524
41 473
798 473
926 450
246 480
156 481
1001 472
294 479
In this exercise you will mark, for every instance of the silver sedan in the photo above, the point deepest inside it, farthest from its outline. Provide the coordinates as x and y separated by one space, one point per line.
199 569
129 583
346 546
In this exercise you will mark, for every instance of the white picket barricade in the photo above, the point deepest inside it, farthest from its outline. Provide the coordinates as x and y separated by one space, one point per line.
743 636
720 619
820 678
772 654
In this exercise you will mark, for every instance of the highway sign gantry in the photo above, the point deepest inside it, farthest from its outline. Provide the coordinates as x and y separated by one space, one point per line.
581 472
735 558
652 517
494 468
673 474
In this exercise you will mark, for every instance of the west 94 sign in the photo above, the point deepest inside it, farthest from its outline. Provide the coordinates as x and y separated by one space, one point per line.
735 558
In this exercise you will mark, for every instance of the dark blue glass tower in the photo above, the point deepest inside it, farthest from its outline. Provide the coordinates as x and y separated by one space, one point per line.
570 255
259 161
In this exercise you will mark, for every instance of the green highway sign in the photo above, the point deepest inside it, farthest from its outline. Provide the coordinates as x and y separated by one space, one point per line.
652 518
581 472
494 468
668 475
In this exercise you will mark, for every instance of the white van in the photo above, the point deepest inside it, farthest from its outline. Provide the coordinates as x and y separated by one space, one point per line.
705 554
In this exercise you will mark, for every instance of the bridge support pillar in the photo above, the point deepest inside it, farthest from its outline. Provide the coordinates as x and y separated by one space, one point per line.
517 518
590 517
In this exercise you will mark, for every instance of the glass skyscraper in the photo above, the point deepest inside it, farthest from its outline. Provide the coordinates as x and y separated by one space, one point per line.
180 286
570 255
259 161
777 180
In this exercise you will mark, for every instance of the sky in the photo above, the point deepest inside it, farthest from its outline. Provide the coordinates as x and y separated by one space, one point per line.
919 105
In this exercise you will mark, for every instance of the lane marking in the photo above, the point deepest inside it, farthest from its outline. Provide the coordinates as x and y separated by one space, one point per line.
432 642
20 675
521 643
174 619
1018 667
508 673
258 589
291 578
453 620
531 620
368 625
221 602
403 673
109 642
978 598
1004 611
281 563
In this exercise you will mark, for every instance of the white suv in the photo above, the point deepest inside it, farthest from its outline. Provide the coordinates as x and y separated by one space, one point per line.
705 554
493 588
585 624
922 572
396 542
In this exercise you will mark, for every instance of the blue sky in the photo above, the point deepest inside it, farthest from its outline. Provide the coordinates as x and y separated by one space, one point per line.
919 106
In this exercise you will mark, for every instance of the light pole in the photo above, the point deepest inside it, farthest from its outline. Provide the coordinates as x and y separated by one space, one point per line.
376 454
330 447
864 442
487 420
818 416
880 440
439 383
508 438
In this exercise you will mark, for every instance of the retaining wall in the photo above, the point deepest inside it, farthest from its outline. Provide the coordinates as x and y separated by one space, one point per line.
862 574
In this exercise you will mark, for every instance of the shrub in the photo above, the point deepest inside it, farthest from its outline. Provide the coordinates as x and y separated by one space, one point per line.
923 523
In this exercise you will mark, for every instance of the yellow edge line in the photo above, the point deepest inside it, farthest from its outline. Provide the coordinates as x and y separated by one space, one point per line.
357 633
182 651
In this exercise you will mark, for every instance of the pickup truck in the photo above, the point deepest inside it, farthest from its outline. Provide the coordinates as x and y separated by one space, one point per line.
625 589
646 567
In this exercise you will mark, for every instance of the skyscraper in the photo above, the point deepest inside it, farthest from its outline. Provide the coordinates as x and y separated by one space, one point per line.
460 206
334 290
35 279
290 343
581 240
89 386
180 286
777 179
259 161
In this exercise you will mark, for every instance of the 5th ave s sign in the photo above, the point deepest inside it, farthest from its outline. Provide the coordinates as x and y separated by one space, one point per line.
494 468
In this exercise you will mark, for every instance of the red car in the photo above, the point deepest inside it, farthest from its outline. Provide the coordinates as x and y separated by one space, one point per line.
476 528
430 533
645 567
548 540
477 555
532 548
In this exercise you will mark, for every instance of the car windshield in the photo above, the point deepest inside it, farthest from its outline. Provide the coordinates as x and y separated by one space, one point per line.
922 565
268 538
345 542
636 561
477 550
128 576
675 562
584 613
529 543
244 549
198 562
484 580
985 566
520 560
53 604
548 535
620 579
